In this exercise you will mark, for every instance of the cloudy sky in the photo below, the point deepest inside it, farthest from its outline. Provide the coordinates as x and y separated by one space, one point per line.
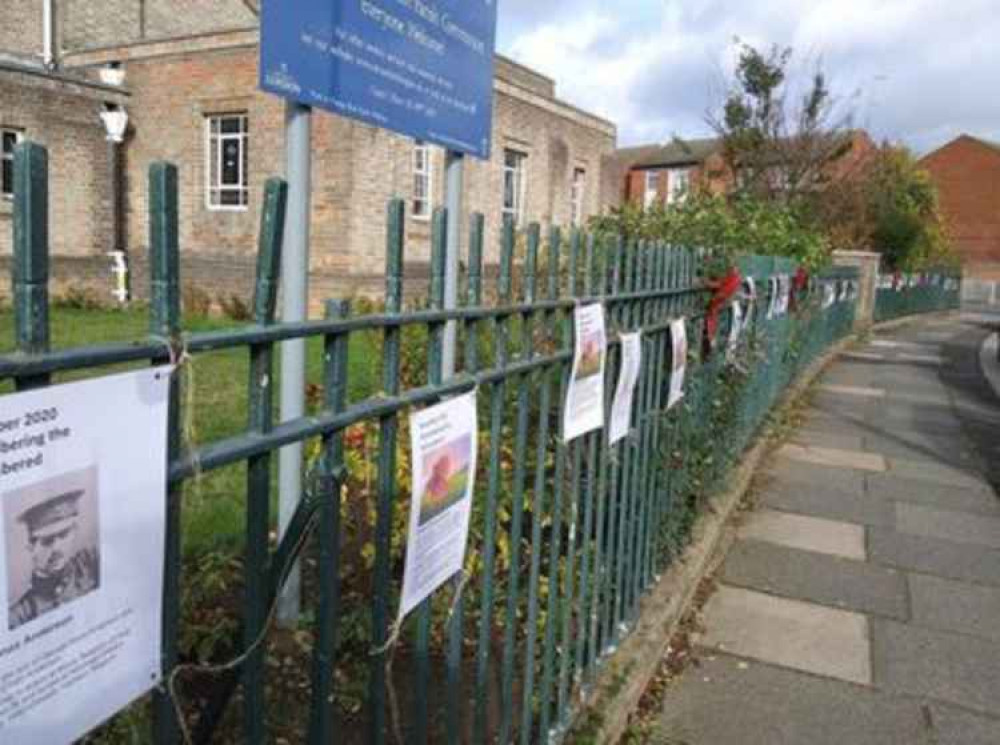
915 71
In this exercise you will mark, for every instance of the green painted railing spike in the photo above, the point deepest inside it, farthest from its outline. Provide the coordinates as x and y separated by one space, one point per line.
164 259
30 270
272 228
164 322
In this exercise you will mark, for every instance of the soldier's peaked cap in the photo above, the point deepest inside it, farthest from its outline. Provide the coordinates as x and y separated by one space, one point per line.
59 507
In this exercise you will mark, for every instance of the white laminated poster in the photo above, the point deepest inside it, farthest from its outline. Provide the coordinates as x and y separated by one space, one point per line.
678 364
83 473
443 441
621 409
784 293
584 410
735 329
772 292
751 295
829 295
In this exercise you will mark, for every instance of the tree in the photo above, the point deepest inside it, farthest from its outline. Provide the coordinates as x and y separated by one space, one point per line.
777 145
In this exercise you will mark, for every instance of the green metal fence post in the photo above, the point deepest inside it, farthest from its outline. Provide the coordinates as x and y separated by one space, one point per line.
322 727
30 271
434 375
474 299
261 418
164 323
497 407
388 433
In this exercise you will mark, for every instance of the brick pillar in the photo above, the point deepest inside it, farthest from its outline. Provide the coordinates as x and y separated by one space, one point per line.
867 263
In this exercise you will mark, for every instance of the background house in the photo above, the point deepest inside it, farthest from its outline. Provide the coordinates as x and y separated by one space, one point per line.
190 88
966 172
662 174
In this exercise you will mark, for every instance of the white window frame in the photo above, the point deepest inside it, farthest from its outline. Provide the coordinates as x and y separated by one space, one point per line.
213 191
9 157
651 189
577 193
423 174
678 185
518 174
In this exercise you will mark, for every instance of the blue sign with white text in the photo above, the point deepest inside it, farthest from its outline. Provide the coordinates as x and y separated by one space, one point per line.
422 68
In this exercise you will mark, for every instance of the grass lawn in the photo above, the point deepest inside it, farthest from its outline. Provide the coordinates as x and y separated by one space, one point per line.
214 503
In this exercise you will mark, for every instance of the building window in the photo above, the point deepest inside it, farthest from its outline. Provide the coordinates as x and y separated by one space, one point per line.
9 138
649 196
514 183
227 163
678 185
423 181
577 192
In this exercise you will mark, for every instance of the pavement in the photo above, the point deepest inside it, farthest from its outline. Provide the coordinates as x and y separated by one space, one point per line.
860 603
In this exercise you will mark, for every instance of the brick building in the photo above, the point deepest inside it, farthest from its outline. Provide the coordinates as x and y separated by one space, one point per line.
62 112
190 88
663 174
966 172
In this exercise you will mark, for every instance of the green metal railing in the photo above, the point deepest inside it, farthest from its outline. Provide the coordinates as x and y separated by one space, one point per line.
566 538
918 293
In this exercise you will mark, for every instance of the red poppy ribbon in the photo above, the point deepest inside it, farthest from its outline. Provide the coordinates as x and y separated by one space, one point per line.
724 289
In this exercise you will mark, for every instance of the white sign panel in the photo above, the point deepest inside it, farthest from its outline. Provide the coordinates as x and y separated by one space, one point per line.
444 441
772 305
735 329
584 410
83 496
678 365
786 292
621 410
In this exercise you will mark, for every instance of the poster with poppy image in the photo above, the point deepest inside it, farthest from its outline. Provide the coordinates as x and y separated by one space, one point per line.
443 441
584 409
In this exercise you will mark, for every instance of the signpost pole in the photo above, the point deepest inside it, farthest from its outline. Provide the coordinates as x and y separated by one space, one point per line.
294 307
454 167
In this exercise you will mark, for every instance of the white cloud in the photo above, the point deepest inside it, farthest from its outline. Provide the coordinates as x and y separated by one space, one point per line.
925 68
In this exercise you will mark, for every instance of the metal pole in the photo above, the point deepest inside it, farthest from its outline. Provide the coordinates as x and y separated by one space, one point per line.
454 163
294 307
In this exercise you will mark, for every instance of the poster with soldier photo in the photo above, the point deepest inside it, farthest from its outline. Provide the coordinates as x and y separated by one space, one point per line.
83 506
51 531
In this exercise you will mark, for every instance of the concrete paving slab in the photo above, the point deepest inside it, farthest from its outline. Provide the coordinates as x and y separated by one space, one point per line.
806 533
819 438
729 701
956 499
948 605
921 359
852 390
911 346
854 459
961 561
817 578
949 667
961 527
863 357
797 472
956 727
790 633
938 473
948 449
818 501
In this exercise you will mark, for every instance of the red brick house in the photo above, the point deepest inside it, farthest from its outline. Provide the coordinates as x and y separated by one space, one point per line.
966 172
662 174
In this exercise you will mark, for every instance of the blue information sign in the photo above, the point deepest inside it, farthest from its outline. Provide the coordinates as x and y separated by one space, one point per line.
422 68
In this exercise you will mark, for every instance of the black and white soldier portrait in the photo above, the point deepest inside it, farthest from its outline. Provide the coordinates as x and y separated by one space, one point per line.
53 555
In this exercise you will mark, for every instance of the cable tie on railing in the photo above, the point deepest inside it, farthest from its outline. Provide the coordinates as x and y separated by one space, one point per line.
462 582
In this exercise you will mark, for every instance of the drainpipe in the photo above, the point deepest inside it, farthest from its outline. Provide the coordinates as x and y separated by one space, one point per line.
115 121
49 51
